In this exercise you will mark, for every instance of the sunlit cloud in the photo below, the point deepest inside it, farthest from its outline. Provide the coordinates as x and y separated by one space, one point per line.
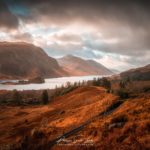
118 61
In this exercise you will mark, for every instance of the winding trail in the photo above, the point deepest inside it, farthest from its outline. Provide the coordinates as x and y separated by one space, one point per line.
105 113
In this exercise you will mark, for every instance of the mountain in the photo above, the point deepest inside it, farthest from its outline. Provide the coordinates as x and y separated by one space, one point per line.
142 73
76 66
23 60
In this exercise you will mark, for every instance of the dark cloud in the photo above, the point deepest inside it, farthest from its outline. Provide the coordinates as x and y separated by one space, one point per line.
126 11
124 19
7 19
124 26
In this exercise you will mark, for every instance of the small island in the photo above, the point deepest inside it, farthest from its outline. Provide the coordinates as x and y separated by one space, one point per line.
36 80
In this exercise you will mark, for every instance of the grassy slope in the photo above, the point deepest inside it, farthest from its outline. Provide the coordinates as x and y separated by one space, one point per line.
68 111
61 115
134 134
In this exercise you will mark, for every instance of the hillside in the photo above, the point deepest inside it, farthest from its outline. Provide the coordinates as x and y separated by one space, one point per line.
22 60
86 117
76 66
126 127
61 115
142 73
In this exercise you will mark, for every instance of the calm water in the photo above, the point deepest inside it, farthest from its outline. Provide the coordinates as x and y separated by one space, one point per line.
49 83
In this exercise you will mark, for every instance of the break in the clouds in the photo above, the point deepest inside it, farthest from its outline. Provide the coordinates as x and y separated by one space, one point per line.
115 33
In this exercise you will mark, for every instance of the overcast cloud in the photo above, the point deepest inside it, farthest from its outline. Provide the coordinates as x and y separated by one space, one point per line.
115 33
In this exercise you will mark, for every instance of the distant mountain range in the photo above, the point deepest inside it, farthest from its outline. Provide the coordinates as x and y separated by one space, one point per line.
76 66
24 61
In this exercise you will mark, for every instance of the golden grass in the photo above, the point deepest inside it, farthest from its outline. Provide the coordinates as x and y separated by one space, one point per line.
41 124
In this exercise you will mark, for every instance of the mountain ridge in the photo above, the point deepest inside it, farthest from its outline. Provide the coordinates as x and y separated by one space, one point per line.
141 73
20 60
78 66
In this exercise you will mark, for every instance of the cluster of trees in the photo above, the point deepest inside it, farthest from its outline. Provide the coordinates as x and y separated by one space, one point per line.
123 92
104 82
18 100
71 86
64 89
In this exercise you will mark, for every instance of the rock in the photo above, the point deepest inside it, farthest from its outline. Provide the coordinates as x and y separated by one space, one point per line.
116 125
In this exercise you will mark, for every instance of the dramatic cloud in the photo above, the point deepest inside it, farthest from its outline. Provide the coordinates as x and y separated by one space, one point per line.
110 31
7 19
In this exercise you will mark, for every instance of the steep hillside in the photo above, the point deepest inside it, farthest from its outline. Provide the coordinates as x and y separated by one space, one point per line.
61 115
142 73
76 66
22 60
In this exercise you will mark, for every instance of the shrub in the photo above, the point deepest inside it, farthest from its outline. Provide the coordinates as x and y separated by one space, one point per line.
118 119
108 91
17 97
123 94
146 89
114 106
37 133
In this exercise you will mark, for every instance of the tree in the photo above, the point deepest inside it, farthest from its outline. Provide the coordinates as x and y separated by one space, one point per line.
45 97
17 97
122 84
106 83
97 82
68 84
83 83
79 84
75 84
128 80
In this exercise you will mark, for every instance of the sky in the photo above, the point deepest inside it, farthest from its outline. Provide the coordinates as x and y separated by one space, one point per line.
115 33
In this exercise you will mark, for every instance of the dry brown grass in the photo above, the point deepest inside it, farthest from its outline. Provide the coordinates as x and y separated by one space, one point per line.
40 124
134 134
61 115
